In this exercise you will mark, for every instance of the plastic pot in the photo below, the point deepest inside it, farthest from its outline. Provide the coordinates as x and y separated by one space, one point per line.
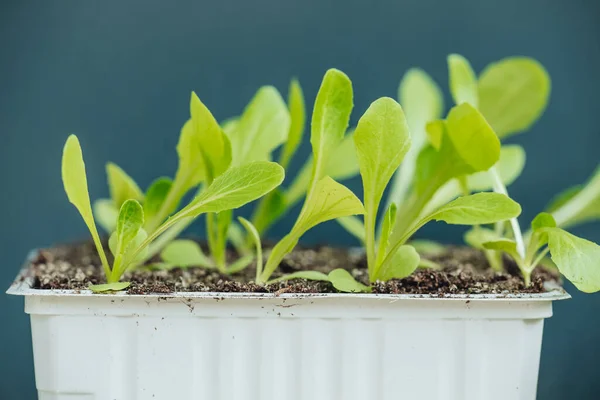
224 346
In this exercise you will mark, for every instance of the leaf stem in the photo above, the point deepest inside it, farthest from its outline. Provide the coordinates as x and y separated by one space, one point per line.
499 187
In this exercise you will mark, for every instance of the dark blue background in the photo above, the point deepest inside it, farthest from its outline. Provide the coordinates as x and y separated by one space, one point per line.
119 75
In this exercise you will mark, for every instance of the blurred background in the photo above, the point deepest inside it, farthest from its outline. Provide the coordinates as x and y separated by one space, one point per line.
119 75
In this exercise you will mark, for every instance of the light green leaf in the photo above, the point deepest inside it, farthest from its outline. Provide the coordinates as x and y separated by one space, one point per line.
229 125
133 245
399 265
509 166
422 102
185 253
155 197
543 220
263 126
477 236
382 139
428 247
472 137
463 81
331 200
129 223
576 258
106 214
297 121
341 164
477 209
421 99
344 282
308 275
582 206
236 187
354 226
331 113
109 287
506 245
435 131
513 94
215 149
122 187
75 185
240 264
191 169
253 233
389 219
428 264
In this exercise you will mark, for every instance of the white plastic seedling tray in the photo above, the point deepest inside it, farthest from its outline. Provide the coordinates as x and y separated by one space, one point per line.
231 346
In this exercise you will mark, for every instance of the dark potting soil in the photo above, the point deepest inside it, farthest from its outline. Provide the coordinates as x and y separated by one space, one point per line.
463 271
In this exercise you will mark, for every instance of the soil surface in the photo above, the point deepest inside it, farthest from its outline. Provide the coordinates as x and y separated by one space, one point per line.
463 271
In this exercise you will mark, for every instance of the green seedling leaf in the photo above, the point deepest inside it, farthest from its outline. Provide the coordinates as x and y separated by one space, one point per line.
240 264
263 126
330 200
344 282
253 233
229 125
506 245
472 137
122 187
422 102
354 226
214 147
106 214
435 132
543 220
427 247
389 219
428 264
75 185
236 187
191 169
399 265
513 94
341 164
509 167
156 196
109 287
185 253
477 236
130 221
331 114
576 258
137 241
477 209
297 122
382 139
579 206
463 81
308 275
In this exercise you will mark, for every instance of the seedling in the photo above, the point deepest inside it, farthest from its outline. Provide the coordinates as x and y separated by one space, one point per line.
233 188
381 140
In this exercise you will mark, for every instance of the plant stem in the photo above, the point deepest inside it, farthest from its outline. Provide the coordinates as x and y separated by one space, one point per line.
514 222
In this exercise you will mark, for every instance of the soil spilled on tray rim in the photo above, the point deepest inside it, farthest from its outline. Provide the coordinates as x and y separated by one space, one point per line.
463 271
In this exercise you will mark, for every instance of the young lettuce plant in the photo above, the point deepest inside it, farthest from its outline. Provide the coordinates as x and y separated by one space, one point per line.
231 189
382 140
325 199
205 152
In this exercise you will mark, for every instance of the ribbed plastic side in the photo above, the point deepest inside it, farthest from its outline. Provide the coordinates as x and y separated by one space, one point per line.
327 348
